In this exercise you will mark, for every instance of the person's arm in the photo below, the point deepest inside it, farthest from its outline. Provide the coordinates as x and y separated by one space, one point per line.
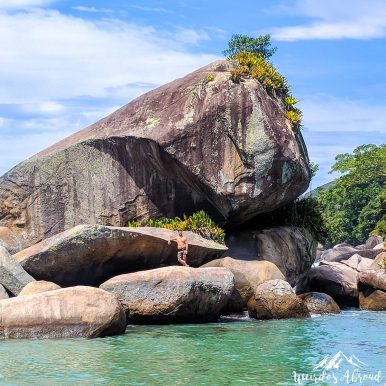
173 239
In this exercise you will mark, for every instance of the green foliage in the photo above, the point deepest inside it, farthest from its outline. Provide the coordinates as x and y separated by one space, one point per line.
354 206
261 46
295 117
238 73
198 222
314 169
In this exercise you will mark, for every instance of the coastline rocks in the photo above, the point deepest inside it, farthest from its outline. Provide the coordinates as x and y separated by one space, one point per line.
275 299
38 286
344 251
193 144
248 275
90 254
12 275
375 279
320 303
9 240
372 286
173 294
334 279
291 249
372 300
65 313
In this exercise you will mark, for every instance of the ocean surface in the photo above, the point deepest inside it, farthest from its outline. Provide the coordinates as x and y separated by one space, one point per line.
350 348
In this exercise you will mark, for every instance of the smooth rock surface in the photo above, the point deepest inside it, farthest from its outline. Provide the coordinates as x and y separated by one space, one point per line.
291 249
12 275
90 254
38 286
65 313
192 144
375 279
248 276
9 240
173 294
320 303
275 299
372 300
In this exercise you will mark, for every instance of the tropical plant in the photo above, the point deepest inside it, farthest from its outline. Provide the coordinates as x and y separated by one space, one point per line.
198 222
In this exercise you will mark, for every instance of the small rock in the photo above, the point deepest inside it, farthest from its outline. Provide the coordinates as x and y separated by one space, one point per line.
320 303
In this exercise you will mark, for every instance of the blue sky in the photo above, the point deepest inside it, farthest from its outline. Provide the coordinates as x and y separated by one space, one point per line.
64 64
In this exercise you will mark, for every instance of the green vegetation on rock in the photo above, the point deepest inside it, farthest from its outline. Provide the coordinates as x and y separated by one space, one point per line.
354 205
252 58
198 222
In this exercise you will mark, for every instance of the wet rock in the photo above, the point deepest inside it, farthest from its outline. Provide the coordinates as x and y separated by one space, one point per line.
248 275
173 294
38 286
320 303
275 299
65 313
90 254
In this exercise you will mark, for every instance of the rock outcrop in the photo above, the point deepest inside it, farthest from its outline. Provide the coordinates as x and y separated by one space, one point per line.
320 303
344 251
65 313
9 240
192 144
275 299
291 249
36 287
90 254
248 276
173 294
12 275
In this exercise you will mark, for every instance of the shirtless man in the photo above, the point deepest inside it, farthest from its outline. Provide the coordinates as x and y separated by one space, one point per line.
182 246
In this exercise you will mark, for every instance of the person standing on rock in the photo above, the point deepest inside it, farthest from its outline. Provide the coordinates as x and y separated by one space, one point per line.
182 248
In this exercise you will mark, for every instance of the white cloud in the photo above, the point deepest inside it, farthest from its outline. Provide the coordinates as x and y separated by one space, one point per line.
59 56
331 19
329 114
151 9
20 4
82 8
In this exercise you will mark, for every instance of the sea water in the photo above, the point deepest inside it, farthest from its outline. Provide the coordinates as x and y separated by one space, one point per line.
241 352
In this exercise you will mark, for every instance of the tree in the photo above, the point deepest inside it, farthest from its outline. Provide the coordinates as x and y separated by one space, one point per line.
354 205
260 46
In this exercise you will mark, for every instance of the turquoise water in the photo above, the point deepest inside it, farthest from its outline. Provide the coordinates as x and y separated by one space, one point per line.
226 353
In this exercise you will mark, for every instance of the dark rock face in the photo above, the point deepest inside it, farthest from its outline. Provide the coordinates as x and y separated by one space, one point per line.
275 299
3 293
173 294
320 303
289 248
248 276
12 275
192 144
65 313
90 254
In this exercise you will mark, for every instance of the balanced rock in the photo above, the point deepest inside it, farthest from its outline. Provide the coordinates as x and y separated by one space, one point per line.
320 303
12 275
9 240
38 286
291 249
65 313
90 254
248 275
173 294
275 299
193 144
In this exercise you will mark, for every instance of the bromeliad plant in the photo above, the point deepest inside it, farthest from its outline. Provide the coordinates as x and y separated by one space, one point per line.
198 222
252 58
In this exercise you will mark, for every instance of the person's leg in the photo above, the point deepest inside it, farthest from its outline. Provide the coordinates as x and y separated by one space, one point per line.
184 258
180 258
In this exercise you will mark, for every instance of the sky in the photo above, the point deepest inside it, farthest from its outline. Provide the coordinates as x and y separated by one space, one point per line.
65 64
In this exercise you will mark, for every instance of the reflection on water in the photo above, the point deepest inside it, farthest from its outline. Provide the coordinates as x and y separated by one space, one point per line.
227 353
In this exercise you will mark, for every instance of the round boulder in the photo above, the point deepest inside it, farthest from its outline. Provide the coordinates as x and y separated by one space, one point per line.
275 299
36 287
320 303
173 294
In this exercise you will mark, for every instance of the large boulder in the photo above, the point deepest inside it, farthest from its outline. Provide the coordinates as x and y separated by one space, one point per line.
173 294
320 303
275 299
90 254
12 275
372 287
372 300
248 276
66 313
373 241
291 249
9 240
344 251
372 278
335 279
192 144
35 287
